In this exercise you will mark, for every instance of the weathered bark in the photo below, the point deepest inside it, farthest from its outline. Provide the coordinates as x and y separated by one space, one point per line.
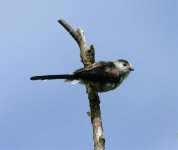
88 57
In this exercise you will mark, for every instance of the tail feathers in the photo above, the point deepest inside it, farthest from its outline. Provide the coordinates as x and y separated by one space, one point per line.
53 77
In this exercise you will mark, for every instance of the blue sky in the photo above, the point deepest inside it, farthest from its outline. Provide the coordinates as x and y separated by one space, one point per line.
140 115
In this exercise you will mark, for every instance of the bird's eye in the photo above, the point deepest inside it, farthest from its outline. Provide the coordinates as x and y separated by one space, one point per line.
124 64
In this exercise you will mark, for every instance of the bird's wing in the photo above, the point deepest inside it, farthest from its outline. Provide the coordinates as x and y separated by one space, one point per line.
102 71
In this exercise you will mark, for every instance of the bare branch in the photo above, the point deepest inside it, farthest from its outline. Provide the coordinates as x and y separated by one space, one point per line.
69 29
88 57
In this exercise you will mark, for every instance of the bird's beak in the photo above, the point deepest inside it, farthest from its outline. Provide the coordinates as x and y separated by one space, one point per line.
131 69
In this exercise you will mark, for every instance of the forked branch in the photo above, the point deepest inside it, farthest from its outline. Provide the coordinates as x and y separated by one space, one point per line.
87 56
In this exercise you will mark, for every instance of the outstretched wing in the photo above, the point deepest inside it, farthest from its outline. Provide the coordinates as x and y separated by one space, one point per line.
102 71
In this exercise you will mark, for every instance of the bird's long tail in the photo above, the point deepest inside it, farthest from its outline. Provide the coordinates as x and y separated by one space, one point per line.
53 77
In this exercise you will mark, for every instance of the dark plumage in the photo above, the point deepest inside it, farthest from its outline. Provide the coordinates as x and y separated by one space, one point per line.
103 75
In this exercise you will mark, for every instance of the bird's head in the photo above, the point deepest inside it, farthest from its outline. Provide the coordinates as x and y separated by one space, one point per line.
123 65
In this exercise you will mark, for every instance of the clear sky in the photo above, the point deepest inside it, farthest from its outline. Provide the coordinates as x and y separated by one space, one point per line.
52 115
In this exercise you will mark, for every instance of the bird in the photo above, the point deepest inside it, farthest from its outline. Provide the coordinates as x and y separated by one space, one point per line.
102 76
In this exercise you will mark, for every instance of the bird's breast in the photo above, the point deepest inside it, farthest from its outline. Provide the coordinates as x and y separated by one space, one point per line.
104 87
